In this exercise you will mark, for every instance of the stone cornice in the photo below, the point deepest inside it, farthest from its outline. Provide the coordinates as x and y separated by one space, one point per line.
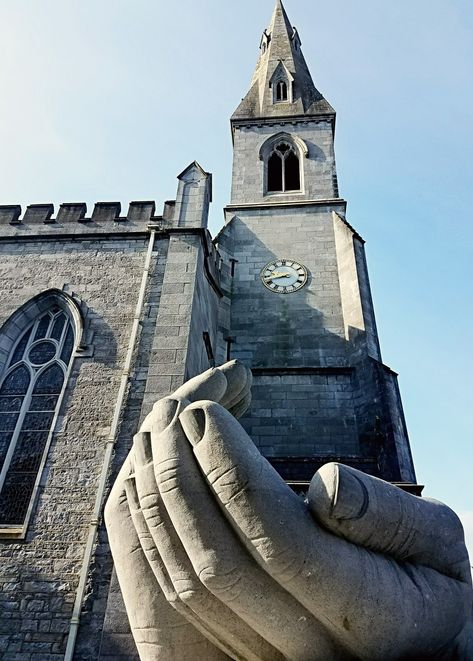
295 203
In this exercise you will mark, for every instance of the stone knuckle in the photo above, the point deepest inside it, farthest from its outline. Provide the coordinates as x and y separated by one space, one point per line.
153 517
229 484
191 598
220 580
148 502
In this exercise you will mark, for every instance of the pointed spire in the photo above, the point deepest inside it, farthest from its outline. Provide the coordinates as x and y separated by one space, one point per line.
280 63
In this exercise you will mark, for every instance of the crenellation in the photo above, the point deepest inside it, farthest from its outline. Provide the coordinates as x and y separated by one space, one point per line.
140 211
72 219
106 211
70 212
38 213
10 214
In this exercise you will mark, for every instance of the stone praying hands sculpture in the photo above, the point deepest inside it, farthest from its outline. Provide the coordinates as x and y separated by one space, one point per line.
218 558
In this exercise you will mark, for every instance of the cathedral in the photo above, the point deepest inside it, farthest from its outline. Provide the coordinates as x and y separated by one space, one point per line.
105 311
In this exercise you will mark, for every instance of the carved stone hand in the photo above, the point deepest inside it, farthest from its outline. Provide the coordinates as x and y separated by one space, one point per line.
217 558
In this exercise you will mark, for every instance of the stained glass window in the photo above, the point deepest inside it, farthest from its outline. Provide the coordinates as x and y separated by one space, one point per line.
30 389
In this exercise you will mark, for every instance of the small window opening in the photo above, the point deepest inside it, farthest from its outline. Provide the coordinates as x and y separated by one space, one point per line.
292 174
283 170
275 164
230 341
281 91
233 263
208 348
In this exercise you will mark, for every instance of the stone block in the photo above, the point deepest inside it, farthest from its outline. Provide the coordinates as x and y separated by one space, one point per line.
71 212
106 211
38 213
141 211
10 214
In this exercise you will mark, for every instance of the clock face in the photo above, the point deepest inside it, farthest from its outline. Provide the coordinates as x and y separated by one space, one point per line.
284 276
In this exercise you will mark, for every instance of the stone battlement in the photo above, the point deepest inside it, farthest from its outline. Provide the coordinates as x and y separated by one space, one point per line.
189 210
76 212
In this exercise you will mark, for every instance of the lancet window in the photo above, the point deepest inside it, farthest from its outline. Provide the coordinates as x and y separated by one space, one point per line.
281 91
31 386
283 169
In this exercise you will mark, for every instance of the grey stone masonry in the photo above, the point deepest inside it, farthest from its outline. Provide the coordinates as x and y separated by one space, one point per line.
72 219
10 214
281 61
316 156
321 392
39 576
176 351
194 195
99 259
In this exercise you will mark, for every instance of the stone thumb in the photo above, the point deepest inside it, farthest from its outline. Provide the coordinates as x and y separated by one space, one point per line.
382 517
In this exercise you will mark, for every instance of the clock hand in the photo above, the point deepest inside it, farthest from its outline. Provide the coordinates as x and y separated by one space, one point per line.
273 276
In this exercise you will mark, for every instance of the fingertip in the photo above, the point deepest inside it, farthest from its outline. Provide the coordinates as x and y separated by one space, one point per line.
131 494
337 492
236 375
241 407
323 491
193 421
142 448
164 413
212 385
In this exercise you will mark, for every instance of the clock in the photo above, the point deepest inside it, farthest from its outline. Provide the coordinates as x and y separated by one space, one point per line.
284 276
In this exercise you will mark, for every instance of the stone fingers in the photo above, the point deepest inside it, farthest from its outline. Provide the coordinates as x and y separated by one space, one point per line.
239 379
180 582
157 628
285 629
373 606
212 384
229 384
416 530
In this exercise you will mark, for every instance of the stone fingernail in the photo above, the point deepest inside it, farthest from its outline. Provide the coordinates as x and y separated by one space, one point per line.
142 448
352 498
164 412
193 424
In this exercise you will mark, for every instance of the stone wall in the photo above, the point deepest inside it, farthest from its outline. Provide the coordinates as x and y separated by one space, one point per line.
321 392
100 260
39 575
318 168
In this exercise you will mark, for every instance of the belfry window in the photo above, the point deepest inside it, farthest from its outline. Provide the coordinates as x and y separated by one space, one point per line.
281 91
30 391
283 169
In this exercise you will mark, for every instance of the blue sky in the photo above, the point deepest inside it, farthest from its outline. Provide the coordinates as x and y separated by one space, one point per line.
107 100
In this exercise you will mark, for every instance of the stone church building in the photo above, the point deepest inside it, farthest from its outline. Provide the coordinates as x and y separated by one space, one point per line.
104 311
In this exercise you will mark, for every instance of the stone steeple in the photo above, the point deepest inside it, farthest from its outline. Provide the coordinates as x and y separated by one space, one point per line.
282 85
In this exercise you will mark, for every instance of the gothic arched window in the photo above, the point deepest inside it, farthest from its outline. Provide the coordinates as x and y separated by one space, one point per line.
31 386
281 91
283 169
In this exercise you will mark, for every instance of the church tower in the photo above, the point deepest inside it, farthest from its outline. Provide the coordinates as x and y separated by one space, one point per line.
104 313
298 307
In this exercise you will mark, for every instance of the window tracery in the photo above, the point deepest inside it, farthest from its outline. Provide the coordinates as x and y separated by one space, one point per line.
283 169
30 393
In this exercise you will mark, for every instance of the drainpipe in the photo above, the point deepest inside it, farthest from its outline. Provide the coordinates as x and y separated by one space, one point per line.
94 522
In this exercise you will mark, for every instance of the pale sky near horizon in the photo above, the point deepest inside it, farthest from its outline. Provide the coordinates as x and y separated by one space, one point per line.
111 100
